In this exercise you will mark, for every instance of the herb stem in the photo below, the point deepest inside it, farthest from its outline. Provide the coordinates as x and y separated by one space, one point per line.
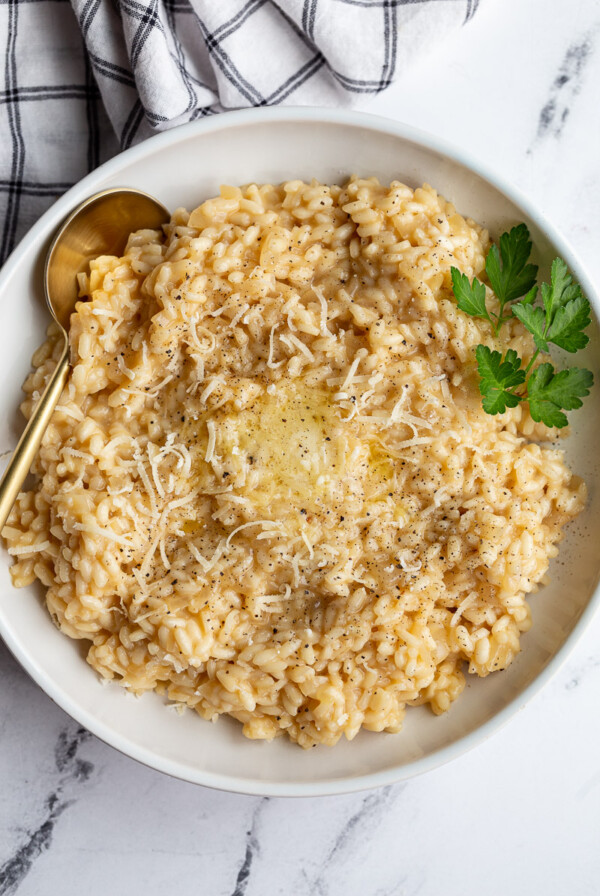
531 362
500 320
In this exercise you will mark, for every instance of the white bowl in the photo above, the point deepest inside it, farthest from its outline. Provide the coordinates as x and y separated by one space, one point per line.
182 167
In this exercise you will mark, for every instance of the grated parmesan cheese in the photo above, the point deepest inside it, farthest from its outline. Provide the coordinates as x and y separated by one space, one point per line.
212 437
273 523
324 330
270 362
292 341
126 371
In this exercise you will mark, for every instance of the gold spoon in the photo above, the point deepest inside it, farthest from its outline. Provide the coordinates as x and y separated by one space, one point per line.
98 226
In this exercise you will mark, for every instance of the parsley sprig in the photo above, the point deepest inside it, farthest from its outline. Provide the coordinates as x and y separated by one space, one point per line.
560 319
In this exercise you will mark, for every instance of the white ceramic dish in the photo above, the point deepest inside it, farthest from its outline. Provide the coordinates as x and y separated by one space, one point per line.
182 167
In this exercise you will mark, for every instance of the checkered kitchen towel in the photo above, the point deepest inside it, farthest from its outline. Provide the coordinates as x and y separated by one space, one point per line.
77 87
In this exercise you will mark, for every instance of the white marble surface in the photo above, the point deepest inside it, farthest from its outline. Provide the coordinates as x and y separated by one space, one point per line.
521 813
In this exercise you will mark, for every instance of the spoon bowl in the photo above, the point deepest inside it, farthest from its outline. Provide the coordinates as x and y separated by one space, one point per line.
100 225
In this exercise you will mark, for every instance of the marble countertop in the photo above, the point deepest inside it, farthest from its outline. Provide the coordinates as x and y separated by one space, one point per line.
520 813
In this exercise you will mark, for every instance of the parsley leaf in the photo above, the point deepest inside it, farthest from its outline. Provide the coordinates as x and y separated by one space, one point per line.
535 321
561 289
497 377
531 296
549 392
565 315
470 297
568 325
509 273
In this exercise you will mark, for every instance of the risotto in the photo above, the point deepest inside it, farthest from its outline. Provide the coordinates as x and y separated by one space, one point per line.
269 489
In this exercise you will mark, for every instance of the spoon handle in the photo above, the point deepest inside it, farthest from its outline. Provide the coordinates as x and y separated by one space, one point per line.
24 453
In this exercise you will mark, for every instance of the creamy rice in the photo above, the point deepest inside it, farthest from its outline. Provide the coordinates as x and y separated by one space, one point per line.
269 489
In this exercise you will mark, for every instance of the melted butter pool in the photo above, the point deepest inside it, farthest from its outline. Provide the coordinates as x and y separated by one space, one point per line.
292 445
292 437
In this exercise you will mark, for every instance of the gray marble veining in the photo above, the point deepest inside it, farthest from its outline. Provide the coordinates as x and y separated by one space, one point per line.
71 771
566 86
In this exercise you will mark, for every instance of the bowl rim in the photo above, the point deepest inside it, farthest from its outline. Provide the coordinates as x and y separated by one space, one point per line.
376 124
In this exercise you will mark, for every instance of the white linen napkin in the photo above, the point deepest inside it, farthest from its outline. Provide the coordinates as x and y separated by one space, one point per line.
172 61
153 64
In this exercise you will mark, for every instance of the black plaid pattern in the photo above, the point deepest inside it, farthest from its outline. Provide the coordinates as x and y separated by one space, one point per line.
53 125
75 88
